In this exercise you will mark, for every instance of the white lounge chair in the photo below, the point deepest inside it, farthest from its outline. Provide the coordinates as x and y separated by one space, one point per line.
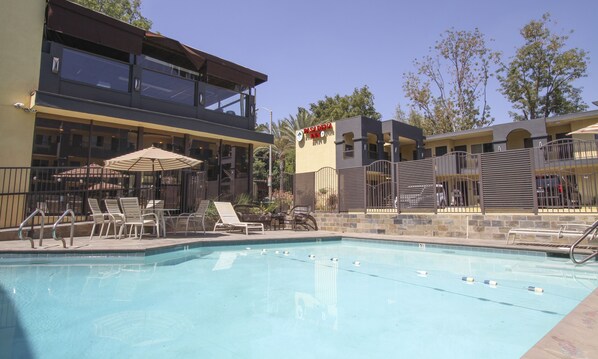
97 216
134 218
230 220
195 217
117 218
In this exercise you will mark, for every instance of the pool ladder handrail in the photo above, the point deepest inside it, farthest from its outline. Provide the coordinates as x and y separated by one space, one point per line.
55 235
592 230
41 231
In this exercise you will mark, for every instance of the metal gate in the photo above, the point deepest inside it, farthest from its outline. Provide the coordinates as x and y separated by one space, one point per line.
326 185
380 187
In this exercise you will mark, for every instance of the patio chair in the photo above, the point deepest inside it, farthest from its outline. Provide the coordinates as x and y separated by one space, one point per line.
97 216
156 203
230 220
300 217
117 218
197 216
134 217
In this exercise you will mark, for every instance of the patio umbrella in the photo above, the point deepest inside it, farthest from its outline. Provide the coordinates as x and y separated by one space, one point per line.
151 159
589 129
92 170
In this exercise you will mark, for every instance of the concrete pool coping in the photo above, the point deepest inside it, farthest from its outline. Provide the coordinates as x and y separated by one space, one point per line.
573 337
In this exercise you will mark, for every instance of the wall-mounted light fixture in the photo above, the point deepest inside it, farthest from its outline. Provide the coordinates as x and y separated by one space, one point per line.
21 106
55 65
136 84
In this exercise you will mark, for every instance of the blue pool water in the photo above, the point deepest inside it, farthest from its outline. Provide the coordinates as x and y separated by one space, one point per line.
235 302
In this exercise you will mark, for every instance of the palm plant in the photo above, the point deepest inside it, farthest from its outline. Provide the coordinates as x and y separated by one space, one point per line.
283 148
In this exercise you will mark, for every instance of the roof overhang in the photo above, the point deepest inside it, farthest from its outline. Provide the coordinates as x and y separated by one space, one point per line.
72 107
80 22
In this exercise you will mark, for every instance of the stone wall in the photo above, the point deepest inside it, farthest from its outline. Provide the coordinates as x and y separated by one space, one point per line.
473 226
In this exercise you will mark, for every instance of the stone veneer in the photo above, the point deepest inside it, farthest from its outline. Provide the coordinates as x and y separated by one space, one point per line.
473 226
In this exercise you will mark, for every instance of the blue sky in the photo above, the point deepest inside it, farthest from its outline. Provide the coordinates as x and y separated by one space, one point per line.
315 48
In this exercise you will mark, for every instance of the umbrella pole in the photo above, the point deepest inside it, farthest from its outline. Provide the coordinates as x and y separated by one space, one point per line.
153 185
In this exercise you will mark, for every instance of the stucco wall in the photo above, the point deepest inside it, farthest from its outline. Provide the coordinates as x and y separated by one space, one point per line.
313 154
20 40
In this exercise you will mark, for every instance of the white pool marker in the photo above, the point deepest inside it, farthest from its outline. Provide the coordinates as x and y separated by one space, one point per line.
334 259
264 251
422 273
248 248
468 280
537 290
491 283
311 256
277 252
286 253
357 263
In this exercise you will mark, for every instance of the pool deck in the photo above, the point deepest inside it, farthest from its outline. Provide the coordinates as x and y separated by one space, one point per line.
575 336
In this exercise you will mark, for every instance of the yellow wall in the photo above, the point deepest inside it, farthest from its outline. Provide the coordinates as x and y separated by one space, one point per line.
21 43
515 139
313 154
452 143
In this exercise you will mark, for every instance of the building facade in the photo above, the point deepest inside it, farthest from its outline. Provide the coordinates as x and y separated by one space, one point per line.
80 87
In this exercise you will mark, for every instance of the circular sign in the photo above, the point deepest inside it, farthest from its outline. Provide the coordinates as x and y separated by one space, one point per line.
299 136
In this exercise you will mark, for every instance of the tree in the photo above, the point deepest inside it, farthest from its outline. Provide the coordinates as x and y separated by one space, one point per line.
128 11
360 103
459 102
400 114
538 80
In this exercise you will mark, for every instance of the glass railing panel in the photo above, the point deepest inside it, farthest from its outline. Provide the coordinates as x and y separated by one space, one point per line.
220 99
94 70
168 88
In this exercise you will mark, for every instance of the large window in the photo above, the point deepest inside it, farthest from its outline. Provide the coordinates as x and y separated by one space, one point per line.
166 87
94 70
65 143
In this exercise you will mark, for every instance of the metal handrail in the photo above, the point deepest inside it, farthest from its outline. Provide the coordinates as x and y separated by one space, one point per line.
592 229
58 238
41 231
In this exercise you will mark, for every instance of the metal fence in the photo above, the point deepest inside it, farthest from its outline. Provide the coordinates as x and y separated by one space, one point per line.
559 177
56 189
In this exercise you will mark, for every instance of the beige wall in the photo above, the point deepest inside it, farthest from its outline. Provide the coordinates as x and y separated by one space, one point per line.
313 154
450 143
21 42
515 139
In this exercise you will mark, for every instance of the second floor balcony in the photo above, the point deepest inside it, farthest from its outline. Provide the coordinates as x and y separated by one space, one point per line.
146 83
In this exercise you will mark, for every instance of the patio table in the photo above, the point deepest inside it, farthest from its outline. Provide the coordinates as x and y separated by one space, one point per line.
162 213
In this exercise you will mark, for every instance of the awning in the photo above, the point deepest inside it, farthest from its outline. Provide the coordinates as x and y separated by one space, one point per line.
82 23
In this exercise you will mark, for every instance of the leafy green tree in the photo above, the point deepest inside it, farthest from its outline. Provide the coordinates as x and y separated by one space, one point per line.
449 87
538 80
128 11
400 114
359 103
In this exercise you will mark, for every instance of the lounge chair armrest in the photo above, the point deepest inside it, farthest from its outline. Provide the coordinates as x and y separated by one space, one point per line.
150 215
116 216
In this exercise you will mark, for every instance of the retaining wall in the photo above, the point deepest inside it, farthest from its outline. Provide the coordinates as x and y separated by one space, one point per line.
473 226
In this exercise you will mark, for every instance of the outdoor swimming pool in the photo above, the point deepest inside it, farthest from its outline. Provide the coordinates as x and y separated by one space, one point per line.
335 299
